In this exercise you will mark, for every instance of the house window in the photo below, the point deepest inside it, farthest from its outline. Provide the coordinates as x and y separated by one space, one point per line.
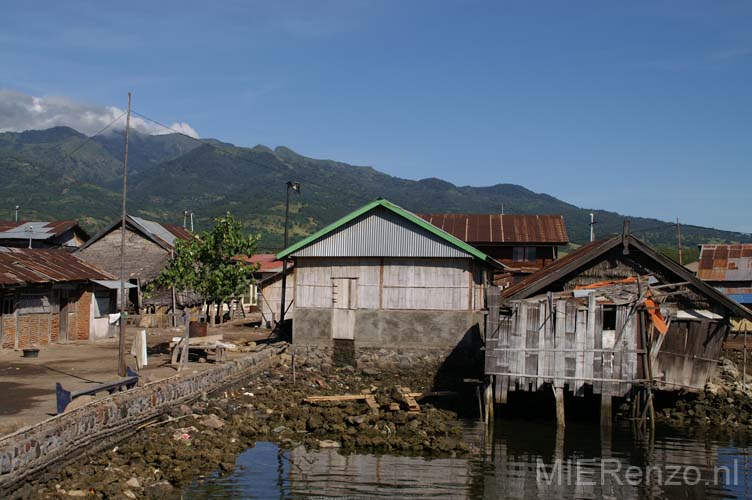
609 317
8 305
34 303
524 254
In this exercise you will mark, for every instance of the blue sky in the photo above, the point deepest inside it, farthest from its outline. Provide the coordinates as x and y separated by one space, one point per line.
638 107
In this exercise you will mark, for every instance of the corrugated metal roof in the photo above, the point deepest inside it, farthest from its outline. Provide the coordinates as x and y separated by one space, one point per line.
381 233
35 230
162 234
20 266
406 218
502 228
725 263
267 262
569 264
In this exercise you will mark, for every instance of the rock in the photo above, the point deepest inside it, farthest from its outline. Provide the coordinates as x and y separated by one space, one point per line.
129 494
159 489
279 429
371 371
212 421
285 358
133 483
79 402
326 443
77 493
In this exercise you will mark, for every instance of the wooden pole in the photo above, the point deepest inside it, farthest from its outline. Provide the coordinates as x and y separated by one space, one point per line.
678 239
744 367
606 405
121 346
559 396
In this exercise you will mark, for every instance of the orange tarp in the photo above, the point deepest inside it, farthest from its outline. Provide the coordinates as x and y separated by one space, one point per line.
600 284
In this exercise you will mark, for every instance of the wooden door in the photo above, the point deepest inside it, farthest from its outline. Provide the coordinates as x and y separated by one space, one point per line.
344 304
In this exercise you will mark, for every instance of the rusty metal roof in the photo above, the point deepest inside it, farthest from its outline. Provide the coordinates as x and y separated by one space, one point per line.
22 266
502 228
725 263
580 258
37 230
267 262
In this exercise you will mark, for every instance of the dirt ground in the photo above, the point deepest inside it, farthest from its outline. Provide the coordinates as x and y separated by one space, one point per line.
27 385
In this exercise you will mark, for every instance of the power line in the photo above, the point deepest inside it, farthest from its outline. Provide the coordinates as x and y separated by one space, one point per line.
68 155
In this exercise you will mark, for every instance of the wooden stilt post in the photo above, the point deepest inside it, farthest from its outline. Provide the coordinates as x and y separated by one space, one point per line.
559 396
488 400
606 402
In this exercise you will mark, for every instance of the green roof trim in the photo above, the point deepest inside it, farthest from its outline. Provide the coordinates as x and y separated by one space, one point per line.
402 213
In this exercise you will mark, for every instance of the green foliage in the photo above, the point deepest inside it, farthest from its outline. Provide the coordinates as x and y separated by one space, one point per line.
205 263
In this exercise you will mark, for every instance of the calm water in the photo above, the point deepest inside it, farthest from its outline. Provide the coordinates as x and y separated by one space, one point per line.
522 460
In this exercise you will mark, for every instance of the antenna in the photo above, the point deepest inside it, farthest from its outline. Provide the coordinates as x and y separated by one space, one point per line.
185 216
30 230
17 207
592 226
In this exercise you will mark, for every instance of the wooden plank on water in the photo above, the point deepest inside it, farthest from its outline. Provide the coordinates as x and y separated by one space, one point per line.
541 343
588 367
559 337
580 338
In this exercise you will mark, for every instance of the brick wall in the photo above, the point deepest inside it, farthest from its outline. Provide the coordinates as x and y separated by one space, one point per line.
9 332
54 327
33 330
90 428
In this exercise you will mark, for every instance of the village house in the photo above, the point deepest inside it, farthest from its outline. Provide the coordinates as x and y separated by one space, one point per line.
50 296
610 318
381 285
65 234
728 268
148 247
266 275
523 243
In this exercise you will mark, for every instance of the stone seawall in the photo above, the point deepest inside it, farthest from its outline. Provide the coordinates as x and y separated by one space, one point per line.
103 422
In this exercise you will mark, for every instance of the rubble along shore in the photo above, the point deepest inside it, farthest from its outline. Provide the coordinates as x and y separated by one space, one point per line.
725 404
195 440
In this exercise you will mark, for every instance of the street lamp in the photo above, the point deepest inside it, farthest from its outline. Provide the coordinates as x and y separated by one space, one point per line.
295 186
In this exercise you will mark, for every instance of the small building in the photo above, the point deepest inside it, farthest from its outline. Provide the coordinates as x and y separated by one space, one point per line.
381 284
609 317
50 296
148 247
729 269
523 243
67 234
267 267
270 297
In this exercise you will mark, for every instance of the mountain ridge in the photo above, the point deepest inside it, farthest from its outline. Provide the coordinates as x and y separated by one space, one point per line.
60 173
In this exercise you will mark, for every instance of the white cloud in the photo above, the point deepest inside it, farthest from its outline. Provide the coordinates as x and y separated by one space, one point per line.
19 112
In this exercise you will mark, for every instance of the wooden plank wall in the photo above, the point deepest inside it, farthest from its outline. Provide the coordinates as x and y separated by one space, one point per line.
392 283
555 341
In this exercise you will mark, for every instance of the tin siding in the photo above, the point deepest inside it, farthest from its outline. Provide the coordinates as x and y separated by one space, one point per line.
381 233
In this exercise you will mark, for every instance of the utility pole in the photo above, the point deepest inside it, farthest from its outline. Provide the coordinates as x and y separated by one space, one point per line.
592 226
295 186
678 239
191 221
185 217
17 207
121 346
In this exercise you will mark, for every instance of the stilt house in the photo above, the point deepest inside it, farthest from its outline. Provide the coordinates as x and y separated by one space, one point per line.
609 316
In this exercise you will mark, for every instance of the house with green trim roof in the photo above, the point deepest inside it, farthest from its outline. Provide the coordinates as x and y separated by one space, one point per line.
383 279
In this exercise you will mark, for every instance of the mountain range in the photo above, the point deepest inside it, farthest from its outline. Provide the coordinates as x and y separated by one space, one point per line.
60 173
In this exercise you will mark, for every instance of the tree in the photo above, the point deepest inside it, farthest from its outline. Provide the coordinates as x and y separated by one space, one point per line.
206 264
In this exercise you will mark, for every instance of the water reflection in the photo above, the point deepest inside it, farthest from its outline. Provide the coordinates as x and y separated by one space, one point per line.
523 460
